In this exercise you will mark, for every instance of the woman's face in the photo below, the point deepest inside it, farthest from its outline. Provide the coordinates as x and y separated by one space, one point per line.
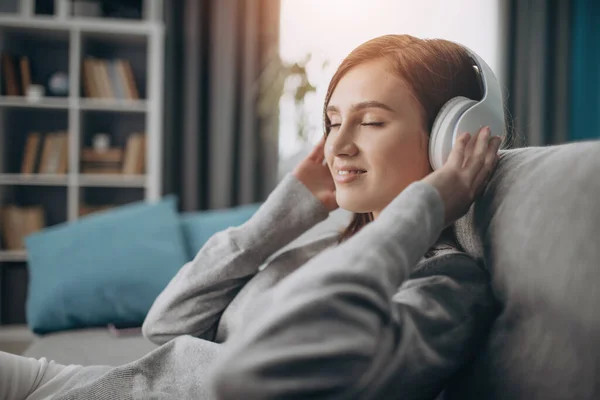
377 144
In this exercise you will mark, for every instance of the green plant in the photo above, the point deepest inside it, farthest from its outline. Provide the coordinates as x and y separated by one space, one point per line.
280 77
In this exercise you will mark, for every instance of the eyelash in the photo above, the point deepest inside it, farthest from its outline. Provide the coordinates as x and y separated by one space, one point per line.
379 124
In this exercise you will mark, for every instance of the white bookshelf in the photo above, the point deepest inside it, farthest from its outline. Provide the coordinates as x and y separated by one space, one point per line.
60 41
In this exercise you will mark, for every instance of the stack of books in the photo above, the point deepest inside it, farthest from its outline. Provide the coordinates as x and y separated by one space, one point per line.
109 161
18 222
112 79
46 154
115 160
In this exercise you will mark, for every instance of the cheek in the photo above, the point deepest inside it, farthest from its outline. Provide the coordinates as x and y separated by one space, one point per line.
398 158
328 150
385 151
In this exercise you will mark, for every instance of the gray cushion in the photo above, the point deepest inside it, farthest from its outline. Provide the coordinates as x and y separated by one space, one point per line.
536 228
89 347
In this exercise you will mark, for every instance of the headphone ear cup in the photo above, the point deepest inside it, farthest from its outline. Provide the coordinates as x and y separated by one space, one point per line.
442 132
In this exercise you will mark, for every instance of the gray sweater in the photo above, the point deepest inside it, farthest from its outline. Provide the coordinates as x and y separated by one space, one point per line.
370 318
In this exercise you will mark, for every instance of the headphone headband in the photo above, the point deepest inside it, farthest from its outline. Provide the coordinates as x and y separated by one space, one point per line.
491 90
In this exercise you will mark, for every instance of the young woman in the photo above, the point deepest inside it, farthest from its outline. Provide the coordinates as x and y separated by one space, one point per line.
389 309
372 317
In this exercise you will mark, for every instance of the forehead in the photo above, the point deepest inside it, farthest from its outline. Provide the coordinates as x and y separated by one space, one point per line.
371 81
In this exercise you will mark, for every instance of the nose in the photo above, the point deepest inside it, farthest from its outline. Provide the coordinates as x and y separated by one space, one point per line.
342 143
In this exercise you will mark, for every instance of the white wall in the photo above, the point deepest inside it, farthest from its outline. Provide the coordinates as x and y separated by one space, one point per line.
330 29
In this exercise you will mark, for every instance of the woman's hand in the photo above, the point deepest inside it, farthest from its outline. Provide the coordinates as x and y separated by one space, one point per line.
466 173
316 176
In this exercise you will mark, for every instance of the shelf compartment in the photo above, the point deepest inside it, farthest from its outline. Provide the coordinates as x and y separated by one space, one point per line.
53 199
27 210
125 131
17 124
102 198
113 66
47 52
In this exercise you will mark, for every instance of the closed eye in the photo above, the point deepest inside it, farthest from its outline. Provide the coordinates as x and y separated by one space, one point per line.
375 124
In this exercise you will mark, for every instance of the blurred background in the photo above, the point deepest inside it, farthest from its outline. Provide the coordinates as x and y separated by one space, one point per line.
541 51
107 103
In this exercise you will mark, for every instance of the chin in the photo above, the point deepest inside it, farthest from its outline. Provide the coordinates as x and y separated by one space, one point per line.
351 203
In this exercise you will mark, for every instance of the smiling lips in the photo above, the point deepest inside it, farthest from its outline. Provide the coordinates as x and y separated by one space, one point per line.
348 174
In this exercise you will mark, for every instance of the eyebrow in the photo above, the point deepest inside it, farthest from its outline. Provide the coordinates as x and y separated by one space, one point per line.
363 105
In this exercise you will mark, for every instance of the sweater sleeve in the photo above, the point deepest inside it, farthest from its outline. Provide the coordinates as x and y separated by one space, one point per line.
339 327
195 298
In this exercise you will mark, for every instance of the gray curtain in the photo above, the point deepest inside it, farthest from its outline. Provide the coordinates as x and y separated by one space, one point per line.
538 71
218 151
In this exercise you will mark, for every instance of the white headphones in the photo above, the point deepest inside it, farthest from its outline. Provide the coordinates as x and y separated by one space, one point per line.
461 114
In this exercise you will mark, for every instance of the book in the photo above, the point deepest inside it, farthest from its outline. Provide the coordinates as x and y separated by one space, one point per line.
117 81
25 74
135 154
89 84
46 150
10 75
130 79
10 228
55 154
63 158
30 153
107 85
18 223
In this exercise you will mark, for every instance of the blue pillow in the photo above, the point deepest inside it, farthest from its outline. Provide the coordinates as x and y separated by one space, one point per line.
104 268
199 226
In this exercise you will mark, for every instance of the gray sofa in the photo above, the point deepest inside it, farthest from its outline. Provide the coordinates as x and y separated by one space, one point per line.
536 229
94 346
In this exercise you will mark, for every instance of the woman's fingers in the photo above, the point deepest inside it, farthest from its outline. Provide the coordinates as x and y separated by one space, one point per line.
317 154
479 157
475 156
457 155
479 150
489 164
469 148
